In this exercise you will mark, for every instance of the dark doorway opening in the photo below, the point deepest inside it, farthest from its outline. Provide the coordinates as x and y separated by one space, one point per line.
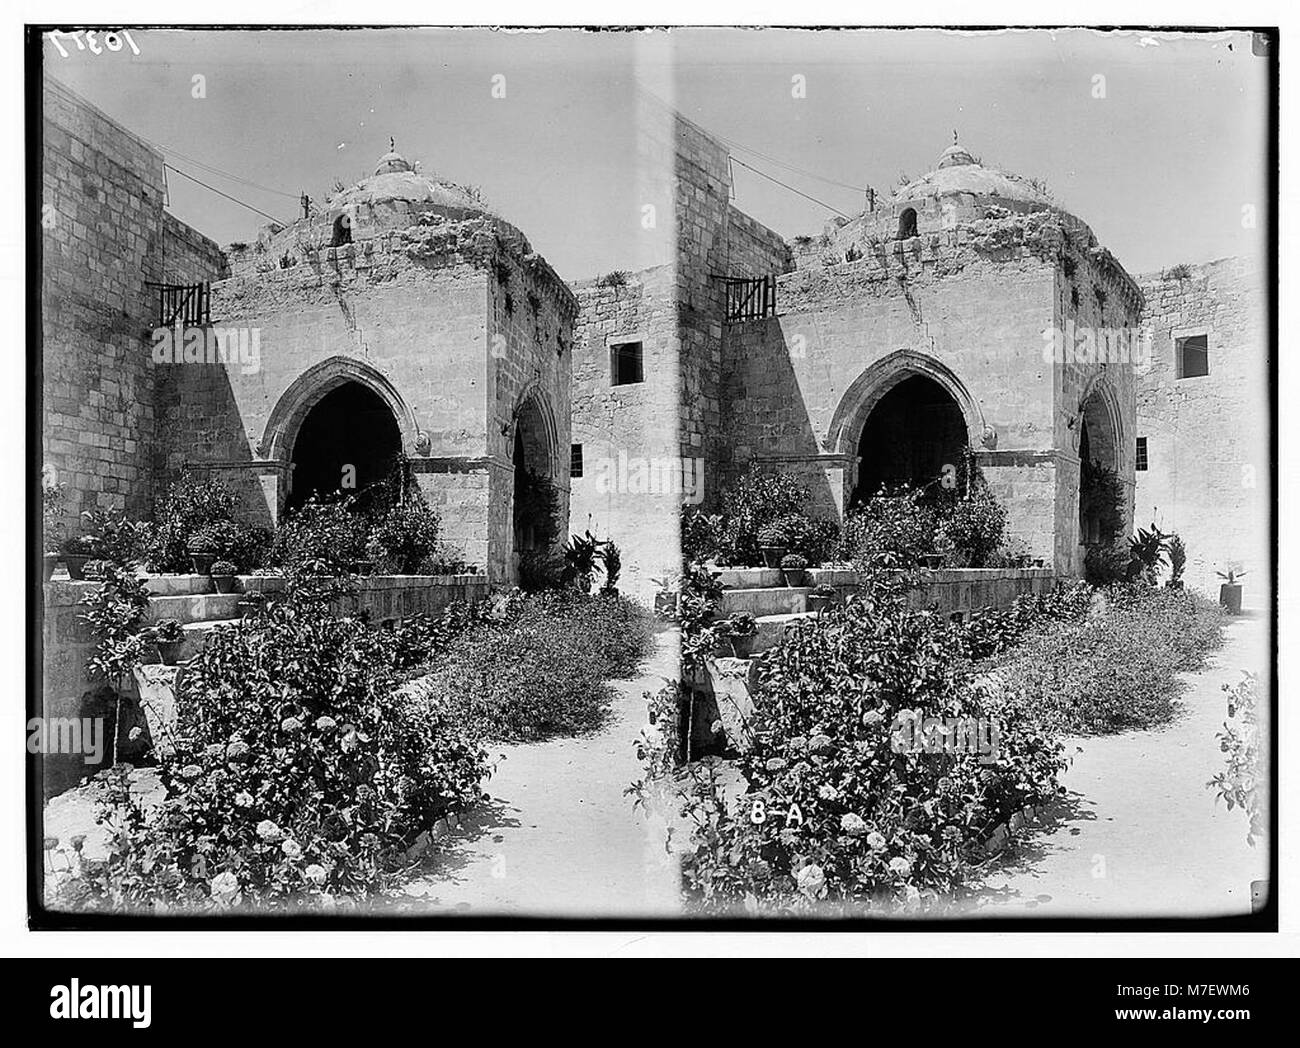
915 435
348 441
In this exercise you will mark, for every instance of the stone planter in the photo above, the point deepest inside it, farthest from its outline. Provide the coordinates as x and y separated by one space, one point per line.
49 562
225 583
201 562
1230 597
76 565
772 555
169 651
818 603
795 576
743 644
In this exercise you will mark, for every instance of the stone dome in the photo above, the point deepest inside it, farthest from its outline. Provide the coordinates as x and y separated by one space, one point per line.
959 172
396 180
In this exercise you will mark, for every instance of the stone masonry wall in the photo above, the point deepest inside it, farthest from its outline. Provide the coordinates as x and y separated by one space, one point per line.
105 234
1208 475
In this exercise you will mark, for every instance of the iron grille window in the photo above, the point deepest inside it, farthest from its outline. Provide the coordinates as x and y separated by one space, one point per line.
575 460
190 304
1141 458
750 299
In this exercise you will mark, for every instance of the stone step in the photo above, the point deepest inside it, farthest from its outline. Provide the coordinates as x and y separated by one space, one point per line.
177 585
772 627
196 636
199 585
768 600
187 608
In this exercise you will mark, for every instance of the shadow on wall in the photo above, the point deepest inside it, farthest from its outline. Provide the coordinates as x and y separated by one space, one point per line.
765 416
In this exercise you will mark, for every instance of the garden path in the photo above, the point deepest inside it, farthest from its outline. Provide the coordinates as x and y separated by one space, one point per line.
559 838
1138 833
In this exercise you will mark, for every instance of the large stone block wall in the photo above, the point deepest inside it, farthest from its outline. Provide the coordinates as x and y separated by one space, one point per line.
105 233
1208 475
630 428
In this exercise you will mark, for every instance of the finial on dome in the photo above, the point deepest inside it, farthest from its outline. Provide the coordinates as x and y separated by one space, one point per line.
392 146
954 136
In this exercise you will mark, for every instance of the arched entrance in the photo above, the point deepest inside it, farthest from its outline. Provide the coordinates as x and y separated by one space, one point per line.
1101 517
348 440
913 435
535 505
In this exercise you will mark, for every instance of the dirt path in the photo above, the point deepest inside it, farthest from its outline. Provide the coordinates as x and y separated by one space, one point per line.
1138 834
559 837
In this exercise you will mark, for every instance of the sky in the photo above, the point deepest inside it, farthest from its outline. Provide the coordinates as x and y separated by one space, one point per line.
1159 156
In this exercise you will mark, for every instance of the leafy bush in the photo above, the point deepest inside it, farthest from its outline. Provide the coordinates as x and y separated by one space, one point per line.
699 535
53 529
222 567
831 818
1118 670
1177 560
298 775
320 530
1244 784
190 504
1106 564
759 497
542 669
406 536
975 523
109 535
895 527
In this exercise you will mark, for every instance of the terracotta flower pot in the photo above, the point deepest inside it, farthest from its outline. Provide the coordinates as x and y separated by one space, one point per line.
795 576
201 562
225 583
772 555
818 603
743 645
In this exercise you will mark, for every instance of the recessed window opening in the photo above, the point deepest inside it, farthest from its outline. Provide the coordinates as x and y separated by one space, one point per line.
626 365
1193 353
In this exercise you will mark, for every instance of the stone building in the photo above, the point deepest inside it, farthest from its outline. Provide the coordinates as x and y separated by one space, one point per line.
403 319
967 311
1203 466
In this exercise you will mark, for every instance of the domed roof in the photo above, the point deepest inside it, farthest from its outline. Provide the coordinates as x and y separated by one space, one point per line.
395 178
958 171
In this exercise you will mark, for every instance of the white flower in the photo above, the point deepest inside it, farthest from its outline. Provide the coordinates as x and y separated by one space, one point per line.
900 866
853 825
269 831
244 799
811 880
224 886
876 841
291 849
315 873
827 793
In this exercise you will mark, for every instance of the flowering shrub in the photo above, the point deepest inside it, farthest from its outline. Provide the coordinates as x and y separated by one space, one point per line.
406 535
1116 670
989 631
298 774
830 818
901 525
541 668
1245 742
320 530
770 503
191 504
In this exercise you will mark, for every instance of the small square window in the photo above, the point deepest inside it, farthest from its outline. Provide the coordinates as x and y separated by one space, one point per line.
575 460
625 364
1193 353
1141 458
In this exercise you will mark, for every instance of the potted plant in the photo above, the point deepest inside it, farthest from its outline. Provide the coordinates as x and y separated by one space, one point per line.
719 636
773 541
77 550
821 597
371 554
168 637
202 548
742 629
1177 561
944 548
794 569
52 531
665 601
223 576
1230 591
